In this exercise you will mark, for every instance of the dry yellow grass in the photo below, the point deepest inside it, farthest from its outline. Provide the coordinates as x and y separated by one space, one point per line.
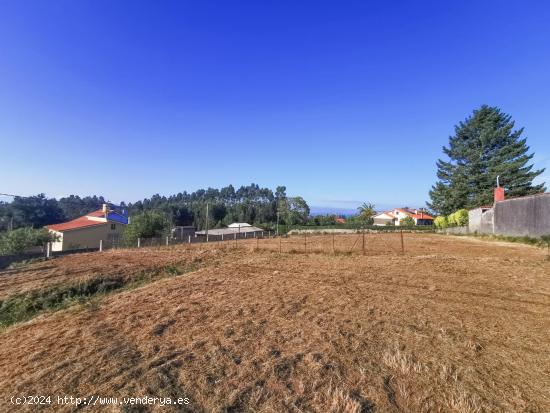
455 324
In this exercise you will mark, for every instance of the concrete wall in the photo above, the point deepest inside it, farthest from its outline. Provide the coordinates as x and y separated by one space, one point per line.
525 216
474 220
454 230
480 220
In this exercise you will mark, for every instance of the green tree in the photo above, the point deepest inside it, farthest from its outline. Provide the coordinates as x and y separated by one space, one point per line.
366 213
297 211
146 224
21 239
483 147
35 211
407 221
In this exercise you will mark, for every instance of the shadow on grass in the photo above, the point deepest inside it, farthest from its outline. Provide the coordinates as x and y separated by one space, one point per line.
23 307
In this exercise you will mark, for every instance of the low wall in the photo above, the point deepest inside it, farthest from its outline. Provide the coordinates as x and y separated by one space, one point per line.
525 216
454 231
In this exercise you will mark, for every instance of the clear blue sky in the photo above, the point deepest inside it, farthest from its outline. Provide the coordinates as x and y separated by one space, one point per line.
342 102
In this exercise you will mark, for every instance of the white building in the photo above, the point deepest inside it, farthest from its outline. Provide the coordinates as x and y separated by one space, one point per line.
394 217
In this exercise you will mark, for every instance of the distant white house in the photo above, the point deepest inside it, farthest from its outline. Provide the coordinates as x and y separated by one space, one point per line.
236 229
394 217
239 225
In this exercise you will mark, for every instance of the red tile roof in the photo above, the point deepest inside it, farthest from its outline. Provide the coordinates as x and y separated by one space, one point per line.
81 222
99 213
422 216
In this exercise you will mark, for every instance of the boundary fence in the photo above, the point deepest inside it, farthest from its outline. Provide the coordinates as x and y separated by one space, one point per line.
362 242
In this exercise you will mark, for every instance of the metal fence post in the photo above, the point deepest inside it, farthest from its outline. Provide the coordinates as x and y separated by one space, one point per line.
139 242
48 250
402 243
100 245
167 240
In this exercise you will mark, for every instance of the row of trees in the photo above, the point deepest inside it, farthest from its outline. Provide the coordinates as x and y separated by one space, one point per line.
250 204
37 211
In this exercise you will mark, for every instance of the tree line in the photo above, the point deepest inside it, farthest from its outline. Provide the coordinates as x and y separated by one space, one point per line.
250 204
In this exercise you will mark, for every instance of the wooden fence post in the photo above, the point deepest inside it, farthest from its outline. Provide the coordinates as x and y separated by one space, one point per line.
305 242
333 250
167 240
100 245
280 244
363 242
48 250
139 242
402 243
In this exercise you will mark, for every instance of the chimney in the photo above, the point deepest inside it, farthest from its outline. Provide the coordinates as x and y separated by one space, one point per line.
105 208
499 191
499 194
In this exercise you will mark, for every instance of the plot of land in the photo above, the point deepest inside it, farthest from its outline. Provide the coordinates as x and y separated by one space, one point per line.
454 324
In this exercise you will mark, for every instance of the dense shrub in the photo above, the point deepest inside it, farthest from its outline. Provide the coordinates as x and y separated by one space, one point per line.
21 239
456 219
461 217
407 221
440 222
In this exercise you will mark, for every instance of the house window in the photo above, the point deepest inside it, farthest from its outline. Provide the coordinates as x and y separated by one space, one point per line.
113 226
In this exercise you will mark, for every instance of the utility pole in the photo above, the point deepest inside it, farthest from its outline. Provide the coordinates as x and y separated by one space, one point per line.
206 232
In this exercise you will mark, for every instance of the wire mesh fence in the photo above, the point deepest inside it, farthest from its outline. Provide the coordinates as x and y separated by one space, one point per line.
358 243
362 243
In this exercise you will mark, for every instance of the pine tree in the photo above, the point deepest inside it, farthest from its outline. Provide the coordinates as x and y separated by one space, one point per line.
484 146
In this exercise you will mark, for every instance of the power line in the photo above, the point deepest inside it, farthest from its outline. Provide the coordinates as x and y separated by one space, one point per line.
14 196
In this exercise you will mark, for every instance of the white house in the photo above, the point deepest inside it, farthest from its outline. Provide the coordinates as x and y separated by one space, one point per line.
106 224
394 217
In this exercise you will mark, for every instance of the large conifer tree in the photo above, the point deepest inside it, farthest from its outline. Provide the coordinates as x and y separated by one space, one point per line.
484 146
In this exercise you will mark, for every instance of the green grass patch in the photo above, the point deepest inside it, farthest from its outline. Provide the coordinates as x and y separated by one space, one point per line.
21 264
22 307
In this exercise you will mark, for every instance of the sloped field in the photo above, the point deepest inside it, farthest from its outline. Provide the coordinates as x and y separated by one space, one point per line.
454 324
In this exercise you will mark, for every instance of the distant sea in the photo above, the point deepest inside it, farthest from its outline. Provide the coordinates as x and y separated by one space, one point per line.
315 210
320 210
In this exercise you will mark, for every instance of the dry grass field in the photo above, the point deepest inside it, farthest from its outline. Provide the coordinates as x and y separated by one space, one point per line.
455 324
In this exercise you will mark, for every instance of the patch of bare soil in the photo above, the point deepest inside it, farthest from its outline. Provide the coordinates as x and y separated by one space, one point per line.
451 325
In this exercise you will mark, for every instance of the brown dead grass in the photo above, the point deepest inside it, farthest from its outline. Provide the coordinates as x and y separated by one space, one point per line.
453 325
